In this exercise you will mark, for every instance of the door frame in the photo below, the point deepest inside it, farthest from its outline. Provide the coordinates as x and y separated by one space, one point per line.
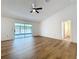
63 30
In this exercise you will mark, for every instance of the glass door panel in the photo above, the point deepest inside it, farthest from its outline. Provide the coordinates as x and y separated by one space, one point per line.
23 30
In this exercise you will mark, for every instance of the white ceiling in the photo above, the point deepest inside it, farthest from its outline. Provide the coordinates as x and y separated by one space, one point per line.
20 9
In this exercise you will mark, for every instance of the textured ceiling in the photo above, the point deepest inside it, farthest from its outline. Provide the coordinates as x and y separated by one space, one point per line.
20 9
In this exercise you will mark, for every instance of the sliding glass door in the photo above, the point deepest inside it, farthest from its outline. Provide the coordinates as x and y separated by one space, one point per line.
23 30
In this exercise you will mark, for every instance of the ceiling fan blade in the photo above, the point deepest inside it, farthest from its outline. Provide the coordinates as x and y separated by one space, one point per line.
33 5
31 11
37 11
38 8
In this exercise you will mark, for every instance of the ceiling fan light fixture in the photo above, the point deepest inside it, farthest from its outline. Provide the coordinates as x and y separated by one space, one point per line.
33 10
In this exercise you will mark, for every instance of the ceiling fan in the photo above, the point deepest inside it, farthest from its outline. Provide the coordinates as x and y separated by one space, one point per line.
34 9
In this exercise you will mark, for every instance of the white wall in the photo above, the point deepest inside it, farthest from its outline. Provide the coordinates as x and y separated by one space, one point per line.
51 27
7 27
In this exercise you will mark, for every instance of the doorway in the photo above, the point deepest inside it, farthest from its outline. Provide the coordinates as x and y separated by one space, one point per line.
67 30
22 30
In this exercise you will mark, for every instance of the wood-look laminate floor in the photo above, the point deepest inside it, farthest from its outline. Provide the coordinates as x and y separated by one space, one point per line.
38 48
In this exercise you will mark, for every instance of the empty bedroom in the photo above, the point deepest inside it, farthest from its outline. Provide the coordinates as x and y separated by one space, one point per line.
38 29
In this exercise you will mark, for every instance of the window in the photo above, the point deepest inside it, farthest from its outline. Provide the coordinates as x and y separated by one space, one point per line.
23 30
